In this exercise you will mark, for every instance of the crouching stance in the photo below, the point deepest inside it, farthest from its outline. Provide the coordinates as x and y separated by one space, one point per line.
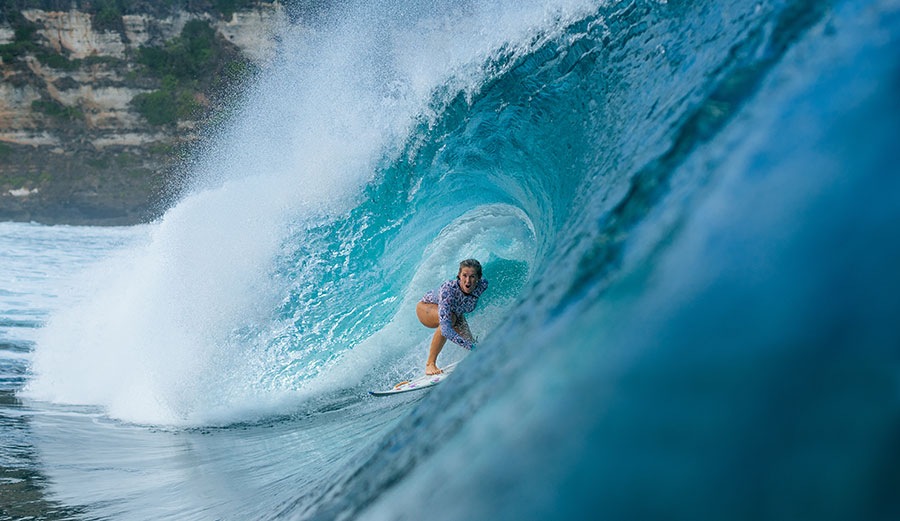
444 310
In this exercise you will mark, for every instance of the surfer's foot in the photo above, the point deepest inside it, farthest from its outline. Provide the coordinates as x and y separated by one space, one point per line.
431 369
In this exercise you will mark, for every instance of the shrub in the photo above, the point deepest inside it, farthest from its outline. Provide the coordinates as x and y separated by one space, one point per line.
23 32
161 149
56 109
227 7
108 16
100 163
187 105
126 159
188 64
57 61
195 52
156 107
91 60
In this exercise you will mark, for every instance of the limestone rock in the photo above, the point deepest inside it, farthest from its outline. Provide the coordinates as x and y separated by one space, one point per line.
74 147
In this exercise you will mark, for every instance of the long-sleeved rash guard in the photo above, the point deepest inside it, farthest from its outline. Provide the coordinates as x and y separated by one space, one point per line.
451 299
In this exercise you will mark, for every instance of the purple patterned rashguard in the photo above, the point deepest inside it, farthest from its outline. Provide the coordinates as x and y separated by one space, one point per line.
451 300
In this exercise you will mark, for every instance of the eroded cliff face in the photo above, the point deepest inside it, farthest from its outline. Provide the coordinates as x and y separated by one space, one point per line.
91 119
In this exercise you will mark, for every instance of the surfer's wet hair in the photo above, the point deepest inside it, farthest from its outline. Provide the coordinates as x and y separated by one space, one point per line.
470 263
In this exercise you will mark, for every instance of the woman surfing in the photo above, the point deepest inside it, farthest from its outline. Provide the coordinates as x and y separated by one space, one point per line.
444 308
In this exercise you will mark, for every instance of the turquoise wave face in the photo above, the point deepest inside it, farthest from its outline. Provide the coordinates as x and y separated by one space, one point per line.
543 171
493 174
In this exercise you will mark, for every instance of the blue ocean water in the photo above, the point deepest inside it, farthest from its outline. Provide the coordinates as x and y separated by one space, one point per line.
687 212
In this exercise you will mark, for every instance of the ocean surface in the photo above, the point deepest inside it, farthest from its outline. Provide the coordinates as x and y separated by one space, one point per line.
689 214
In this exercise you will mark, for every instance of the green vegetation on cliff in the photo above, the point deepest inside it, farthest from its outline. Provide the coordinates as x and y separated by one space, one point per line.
226 8
196 52
107 14
80 155
23 33
188 65
56 109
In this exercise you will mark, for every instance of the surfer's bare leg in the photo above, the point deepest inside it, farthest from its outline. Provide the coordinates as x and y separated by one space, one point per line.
437 343
428 314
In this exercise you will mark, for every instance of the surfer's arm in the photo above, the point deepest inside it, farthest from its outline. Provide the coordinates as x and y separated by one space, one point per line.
445 317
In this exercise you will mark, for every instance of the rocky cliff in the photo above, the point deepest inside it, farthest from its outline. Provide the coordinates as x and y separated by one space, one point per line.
96 100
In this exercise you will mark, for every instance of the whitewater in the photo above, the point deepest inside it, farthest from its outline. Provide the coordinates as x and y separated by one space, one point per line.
687 212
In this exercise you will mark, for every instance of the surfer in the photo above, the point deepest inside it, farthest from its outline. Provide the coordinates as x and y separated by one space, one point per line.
443 309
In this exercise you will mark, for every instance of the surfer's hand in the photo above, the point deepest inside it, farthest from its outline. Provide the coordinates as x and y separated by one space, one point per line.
473 347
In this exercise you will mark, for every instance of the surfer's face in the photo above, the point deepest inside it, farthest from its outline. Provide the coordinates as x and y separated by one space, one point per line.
467 279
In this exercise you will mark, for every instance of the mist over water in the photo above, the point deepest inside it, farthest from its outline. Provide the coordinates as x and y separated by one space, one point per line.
687 213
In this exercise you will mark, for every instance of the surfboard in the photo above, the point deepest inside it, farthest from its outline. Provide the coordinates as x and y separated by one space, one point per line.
416 384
